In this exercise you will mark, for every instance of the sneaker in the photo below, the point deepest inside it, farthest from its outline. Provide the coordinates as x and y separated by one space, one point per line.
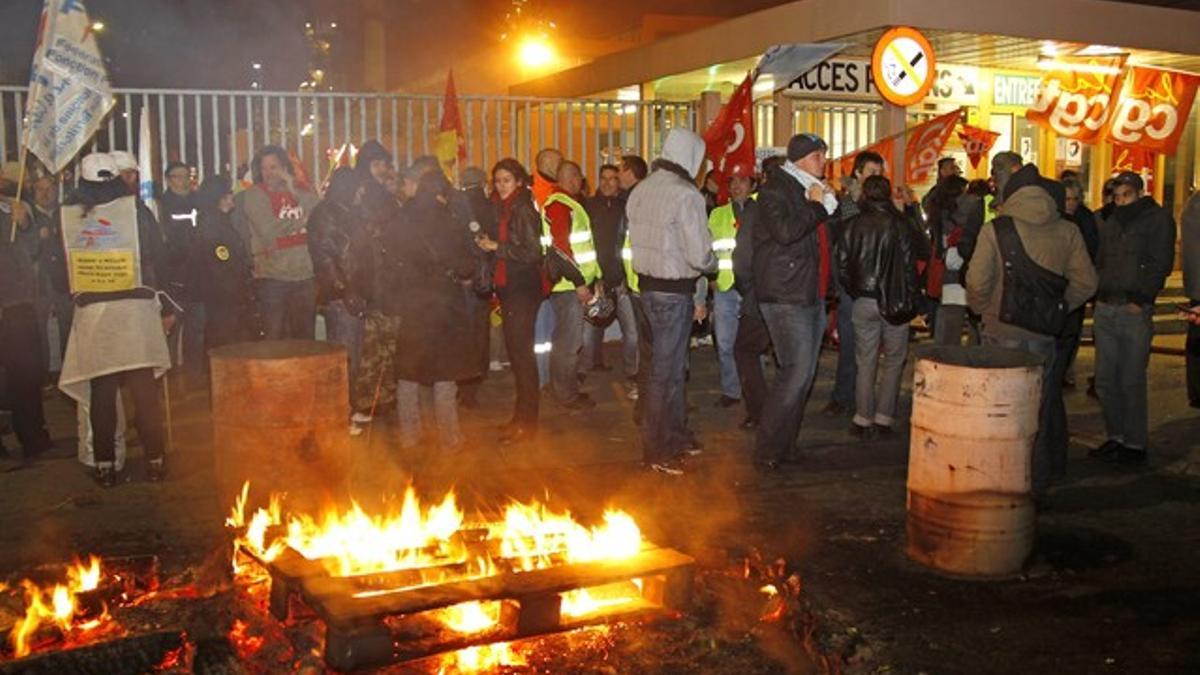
106 476
834 409
580 402
360 418
1131 456
356 430
631 391
727 401
1109 450
691 447
668 468
495 366
156 471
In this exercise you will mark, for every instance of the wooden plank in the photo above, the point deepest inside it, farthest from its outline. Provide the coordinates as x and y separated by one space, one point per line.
342 608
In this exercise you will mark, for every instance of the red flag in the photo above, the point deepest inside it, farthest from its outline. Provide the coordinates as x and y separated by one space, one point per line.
977 142
729 140
1153 109
1078 95
1134 158
451 143
924 146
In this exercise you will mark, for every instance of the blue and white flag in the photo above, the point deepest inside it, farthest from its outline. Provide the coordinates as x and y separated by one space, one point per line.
69 91
788 62
146 166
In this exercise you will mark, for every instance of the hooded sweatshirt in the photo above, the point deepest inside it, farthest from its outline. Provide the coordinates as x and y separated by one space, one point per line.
668 224
1050 241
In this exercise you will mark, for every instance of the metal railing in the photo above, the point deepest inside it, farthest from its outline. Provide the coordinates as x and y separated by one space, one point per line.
844 126
218 131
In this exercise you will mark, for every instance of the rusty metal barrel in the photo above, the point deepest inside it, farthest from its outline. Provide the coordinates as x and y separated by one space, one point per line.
280 419
975 416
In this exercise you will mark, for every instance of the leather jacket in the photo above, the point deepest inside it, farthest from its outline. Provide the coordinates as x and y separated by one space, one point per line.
869 244
331 229
787 252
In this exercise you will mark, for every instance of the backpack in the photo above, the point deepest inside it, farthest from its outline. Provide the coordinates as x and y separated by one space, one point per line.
1033 297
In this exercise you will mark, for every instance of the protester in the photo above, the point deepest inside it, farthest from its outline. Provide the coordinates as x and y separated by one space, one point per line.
545 177
877 268
1068 343
791 270
274 215
127 165
22 358
671 248
633 171
1137 253
53 292
427 260
474 182
606 210
724 223
1030 208
944 276
958 244
841 398
118 339
184 280
947 167
566 225
375 388
229 299
1190 251
334 225
519 285
1004 165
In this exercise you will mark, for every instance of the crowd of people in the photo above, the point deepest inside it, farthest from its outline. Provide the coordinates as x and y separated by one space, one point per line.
412 273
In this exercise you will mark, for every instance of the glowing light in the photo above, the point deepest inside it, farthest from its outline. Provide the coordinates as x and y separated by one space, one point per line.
535 52
97 26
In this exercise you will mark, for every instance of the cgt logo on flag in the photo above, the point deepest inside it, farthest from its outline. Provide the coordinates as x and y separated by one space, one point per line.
1153 108
924 146
1077 98
977 142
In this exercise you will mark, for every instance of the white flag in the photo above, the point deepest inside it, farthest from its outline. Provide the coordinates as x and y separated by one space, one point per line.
69 92
145 165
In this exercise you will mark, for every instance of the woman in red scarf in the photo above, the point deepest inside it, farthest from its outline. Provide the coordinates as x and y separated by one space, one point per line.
520 286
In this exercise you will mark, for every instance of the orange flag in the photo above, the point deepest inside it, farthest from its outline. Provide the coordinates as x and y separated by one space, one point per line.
450 146
1136 159
885 148
1153 109
977 142
924 146
1077 98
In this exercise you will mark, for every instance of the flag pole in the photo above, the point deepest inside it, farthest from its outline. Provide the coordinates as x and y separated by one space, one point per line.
12 234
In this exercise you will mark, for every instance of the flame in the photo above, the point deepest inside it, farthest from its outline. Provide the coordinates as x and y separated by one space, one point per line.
246 645
585 601
55 605
480 659
469 617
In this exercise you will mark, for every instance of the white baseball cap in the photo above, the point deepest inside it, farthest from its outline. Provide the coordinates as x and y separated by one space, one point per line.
125 161
98 167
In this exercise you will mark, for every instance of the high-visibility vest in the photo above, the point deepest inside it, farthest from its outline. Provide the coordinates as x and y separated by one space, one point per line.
722 223
582 247
631 277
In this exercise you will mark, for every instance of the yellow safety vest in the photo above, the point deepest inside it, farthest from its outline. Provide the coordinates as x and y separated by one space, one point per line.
581 240
721 223
631 277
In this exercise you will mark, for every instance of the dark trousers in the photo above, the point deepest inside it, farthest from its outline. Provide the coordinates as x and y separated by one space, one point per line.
664 420
519 310
288 308
148 417
479 317
24 372
1193 362
751 343
796 332
645 342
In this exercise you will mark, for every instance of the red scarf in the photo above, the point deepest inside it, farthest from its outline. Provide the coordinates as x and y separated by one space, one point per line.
506 209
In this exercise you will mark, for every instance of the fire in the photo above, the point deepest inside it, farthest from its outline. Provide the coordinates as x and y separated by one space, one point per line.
584 601
56 605
469 618
480 659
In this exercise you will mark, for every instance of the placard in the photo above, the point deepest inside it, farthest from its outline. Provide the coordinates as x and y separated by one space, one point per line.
103 254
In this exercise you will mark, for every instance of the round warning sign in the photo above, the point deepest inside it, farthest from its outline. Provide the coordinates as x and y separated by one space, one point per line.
903 66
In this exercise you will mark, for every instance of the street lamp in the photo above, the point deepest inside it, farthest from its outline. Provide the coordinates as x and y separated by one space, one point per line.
535 52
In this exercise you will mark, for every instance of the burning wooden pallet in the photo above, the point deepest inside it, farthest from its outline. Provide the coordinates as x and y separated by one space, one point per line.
378 619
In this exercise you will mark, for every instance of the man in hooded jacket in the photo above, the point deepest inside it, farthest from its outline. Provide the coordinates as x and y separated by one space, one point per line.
1035 206
671 248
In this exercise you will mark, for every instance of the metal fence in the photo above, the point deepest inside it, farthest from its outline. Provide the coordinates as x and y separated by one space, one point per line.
846 127
218 131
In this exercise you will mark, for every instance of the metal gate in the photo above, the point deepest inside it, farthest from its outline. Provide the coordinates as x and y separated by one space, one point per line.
218 131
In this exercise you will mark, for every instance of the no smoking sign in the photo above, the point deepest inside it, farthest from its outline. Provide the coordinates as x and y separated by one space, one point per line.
903 66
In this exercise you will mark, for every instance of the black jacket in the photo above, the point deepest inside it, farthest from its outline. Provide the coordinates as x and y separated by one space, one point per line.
521 251
1085 219
1137 252
184 267
332 227
871 244
743 253
608 235
787 253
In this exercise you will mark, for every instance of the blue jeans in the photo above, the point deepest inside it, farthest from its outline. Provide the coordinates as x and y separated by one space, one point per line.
663 425
1049 459
1123 334
543 329
345 329
445 412
847 364
727 306
288 308
567 341
796 332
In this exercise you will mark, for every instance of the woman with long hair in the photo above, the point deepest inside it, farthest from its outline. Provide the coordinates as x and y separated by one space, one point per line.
519 285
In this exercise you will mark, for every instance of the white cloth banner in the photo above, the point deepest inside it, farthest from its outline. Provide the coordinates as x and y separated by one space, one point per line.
69 91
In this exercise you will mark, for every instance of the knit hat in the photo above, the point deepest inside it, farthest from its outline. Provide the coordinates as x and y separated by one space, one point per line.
803 144
1131 179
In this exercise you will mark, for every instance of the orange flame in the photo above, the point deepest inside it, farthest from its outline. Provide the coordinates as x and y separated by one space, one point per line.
55 605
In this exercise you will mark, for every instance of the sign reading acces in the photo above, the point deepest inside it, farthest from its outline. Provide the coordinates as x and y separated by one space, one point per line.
903 66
